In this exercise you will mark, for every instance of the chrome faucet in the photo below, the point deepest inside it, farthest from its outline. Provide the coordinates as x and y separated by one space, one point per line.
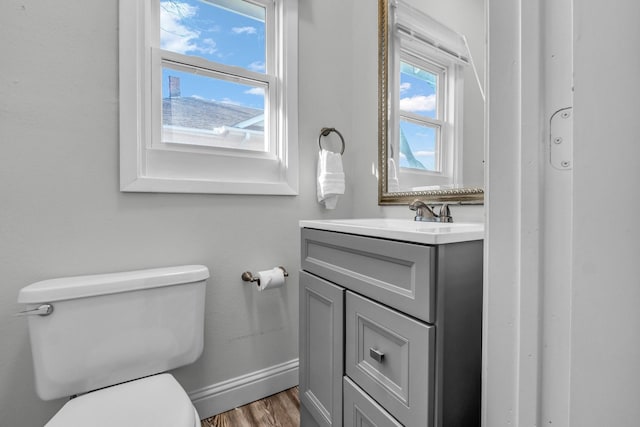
425 213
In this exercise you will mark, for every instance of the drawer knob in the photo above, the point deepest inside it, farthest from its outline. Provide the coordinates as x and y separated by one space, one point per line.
376 355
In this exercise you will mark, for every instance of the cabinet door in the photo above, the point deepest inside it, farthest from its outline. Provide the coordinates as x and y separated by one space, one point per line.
360 410
321 349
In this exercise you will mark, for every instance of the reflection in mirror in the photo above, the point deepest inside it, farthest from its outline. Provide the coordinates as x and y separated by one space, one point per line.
431 101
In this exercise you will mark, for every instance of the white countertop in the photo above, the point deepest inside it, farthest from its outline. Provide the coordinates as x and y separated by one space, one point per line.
432 233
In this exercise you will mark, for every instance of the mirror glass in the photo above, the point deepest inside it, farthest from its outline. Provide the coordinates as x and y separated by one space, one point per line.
431 117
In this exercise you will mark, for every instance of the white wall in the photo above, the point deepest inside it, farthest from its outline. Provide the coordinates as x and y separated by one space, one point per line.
61 212
605 367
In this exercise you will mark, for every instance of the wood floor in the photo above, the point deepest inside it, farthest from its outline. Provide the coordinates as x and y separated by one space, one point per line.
279 410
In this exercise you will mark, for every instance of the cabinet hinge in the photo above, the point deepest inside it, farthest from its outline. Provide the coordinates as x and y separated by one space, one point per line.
561 140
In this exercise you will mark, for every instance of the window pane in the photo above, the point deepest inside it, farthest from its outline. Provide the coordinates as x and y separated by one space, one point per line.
202 110
230 32
418 91
419 148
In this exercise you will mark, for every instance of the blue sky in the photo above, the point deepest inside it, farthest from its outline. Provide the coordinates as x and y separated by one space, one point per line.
198 28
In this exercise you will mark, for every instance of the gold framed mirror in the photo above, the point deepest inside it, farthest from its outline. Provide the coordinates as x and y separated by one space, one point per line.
430 105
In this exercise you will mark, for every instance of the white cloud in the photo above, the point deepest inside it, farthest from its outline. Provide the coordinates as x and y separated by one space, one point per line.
209 46
424 153
257 66
229 101
418 103
405 87
255 91
244 30
176 36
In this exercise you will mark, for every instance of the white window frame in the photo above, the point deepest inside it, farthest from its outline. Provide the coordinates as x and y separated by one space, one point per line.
420 40
149 165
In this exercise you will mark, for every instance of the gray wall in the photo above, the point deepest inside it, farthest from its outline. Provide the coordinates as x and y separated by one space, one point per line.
62 213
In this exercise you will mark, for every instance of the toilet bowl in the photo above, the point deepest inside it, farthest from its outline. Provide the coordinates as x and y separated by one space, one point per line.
110 338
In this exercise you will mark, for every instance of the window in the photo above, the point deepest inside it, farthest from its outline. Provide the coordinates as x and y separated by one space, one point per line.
420 115
208 96
425 87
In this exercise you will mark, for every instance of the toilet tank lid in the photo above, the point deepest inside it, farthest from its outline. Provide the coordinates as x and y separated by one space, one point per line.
67 288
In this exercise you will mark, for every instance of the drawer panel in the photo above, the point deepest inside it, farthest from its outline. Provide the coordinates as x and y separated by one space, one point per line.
362 411
391 357
400 274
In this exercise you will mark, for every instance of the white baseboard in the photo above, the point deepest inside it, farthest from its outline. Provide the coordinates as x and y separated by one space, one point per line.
229 394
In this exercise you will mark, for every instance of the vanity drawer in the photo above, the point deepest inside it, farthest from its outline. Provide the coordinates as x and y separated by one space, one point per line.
400 274
361 410
391 357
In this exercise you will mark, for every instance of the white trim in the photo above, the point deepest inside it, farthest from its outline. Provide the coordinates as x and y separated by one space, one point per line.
557 223
213 69
235 392
132 60
527 333
513 186
160 185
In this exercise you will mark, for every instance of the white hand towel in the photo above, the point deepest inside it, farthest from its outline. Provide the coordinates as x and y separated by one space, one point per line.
393 185
330 178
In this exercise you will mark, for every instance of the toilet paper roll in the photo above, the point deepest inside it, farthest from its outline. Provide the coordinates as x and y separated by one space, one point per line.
270 279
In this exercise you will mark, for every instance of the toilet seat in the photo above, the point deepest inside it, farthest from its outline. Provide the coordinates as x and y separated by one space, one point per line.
157 401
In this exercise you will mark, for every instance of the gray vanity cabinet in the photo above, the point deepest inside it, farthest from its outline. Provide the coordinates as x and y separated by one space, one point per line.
390 332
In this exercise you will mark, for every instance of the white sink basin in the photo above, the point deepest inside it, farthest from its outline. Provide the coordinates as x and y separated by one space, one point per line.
403 229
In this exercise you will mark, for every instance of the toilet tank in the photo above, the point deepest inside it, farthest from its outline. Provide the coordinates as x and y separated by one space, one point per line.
110 328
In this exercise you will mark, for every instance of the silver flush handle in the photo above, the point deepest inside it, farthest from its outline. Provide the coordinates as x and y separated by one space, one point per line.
376 355
43 310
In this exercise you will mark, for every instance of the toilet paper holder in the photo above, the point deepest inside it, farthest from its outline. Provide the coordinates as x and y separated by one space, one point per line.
247 276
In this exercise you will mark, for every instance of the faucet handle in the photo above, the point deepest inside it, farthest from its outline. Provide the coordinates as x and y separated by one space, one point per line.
445 213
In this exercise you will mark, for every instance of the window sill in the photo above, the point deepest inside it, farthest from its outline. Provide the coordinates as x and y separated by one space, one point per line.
173 185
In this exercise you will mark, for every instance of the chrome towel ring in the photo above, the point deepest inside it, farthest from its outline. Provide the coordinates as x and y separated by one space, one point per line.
327 131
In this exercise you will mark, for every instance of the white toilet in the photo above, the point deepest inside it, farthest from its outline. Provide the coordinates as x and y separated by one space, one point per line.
107 338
